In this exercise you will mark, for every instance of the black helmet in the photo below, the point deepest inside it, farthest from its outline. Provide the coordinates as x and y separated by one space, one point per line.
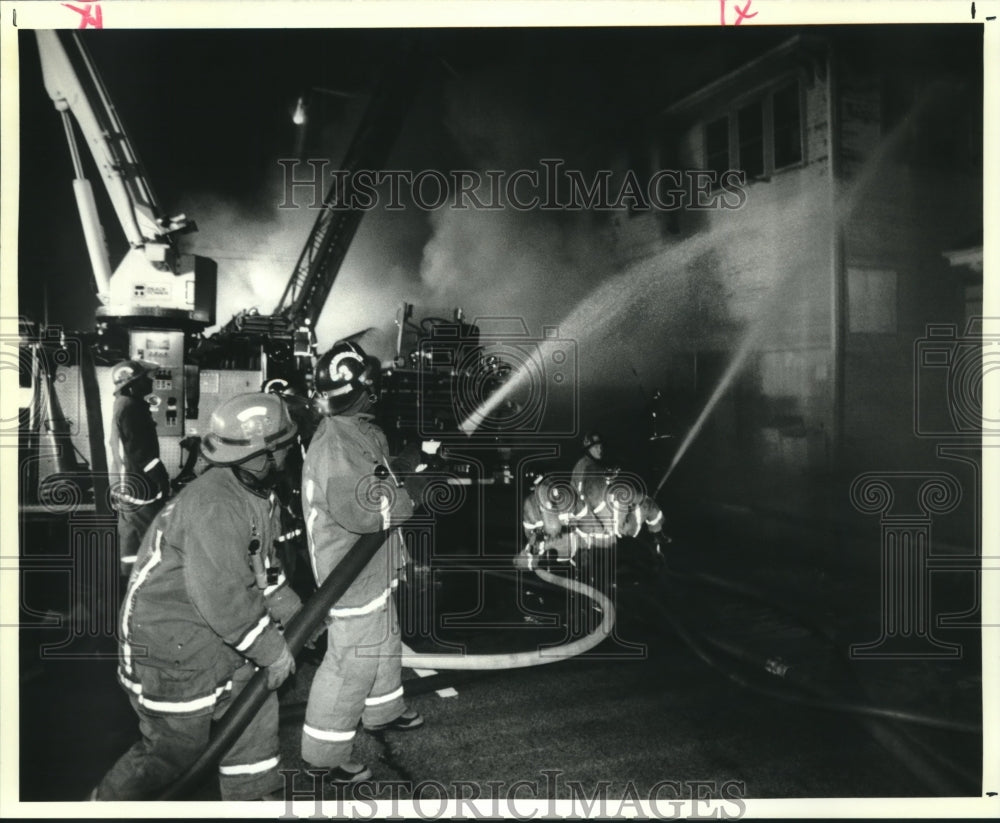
344 374
592 439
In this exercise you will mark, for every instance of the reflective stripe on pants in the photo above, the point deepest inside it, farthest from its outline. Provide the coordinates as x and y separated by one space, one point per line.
172 742
359 679
132 527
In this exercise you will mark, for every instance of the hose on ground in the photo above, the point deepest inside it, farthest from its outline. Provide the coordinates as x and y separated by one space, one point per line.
930 773
536 657
848 706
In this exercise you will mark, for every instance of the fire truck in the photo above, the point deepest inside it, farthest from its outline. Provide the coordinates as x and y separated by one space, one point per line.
157 302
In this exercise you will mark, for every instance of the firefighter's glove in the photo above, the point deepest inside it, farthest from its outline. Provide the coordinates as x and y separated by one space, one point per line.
408 460
279 671
160 480
284 604
316 635
416 485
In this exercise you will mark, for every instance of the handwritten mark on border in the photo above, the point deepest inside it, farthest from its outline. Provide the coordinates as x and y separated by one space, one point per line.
90 15
741 13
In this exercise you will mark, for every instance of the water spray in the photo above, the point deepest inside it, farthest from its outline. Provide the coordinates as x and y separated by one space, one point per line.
843 205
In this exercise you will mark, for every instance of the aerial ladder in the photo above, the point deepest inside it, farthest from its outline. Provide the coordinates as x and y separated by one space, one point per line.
294 318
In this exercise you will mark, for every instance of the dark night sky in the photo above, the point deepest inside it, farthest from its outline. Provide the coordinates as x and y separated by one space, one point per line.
209 114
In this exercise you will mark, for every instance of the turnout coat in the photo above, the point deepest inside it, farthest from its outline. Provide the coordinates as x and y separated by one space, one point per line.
194 611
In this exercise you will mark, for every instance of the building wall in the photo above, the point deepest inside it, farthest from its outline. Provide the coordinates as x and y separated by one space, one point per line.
817 284
750 290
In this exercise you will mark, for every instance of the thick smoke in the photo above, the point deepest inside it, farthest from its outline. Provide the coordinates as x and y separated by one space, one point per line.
531 265
255 251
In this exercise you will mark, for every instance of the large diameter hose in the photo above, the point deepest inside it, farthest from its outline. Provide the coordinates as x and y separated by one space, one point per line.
537 657
300 628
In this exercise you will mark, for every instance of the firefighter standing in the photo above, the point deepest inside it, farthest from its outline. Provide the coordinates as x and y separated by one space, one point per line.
143 485
204 608
347 491
591 465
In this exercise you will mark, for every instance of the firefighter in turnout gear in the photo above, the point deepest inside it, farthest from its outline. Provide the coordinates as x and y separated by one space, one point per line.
204 609
591 462
349 489
141 484
620 507
549 518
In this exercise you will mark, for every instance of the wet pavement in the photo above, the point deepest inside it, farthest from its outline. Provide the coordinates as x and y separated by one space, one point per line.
668 703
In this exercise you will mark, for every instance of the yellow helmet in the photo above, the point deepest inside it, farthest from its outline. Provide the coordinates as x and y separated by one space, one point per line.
246 426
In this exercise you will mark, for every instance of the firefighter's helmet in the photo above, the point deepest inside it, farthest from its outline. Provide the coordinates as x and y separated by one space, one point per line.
128 371
592 438
343 374
246 426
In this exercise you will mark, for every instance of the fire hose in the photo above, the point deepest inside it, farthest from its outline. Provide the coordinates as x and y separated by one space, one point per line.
538 657
301 628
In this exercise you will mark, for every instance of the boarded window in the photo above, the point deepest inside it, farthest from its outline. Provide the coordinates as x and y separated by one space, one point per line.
871 300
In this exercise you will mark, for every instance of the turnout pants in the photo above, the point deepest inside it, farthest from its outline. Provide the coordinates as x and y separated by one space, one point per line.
359 679
133 523
172 741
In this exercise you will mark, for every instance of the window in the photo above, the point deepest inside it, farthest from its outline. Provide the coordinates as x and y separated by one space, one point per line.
717 145
758 137
787 127
871 300
750 128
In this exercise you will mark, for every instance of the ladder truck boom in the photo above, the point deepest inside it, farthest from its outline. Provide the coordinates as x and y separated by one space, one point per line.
153 279
336 224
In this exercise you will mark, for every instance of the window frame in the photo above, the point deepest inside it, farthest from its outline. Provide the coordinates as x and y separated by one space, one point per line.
764 97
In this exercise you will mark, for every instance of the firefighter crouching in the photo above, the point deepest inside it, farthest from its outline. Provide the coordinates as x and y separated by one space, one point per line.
619 507
349 489
142 484
550 513
204 609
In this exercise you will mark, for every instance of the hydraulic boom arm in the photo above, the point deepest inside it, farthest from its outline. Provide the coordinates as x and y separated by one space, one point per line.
83 94
152 281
